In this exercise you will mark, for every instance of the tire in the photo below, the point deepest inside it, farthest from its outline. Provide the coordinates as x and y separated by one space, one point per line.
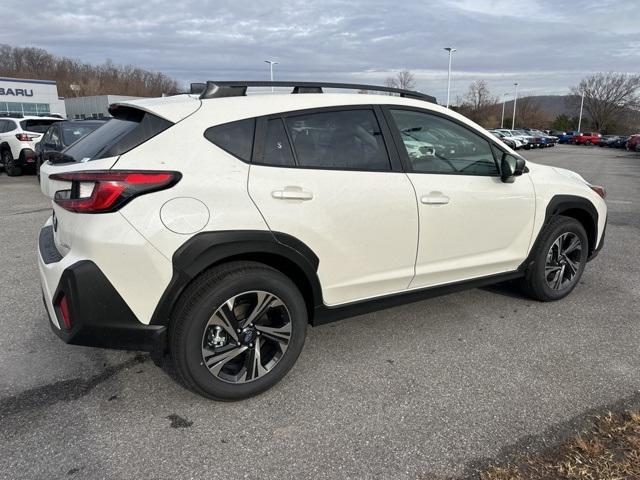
9 167
541 279
192 339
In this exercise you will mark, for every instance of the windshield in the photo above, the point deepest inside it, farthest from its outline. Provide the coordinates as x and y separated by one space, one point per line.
36 125
130 128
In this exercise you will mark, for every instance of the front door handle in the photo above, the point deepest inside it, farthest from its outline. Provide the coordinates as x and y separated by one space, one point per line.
292 193
434 198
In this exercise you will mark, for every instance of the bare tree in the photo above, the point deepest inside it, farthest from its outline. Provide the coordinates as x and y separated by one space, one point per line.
107 78
403 79
478 104
607 96
478 96
531 115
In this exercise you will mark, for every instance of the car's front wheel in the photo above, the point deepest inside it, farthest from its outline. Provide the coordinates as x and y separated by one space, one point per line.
558 260
237 330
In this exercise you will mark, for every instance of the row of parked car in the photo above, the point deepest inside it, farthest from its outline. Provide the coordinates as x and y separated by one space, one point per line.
26 142
526 138
630 142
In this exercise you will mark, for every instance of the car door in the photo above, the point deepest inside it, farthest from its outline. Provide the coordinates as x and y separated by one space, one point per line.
471 223
326 177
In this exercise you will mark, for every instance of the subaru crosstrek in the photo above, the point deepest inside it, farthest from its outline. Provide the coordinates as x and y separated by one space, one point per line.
215 227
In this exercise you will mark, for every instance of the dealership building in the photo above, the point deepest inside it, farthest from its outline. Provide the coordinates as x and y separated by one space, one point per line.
96 106
30 97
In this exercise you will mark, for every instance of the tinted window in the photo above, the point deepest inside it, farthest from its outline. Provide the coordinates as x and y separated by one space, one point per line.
54 137
348 139
38 126
127 130
4 126
277 150
9 126
437 145
235 137
72 132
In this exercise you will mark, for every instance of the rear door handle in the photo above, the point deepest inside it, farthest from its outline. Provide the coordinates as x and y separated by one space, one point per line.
292 193
434 198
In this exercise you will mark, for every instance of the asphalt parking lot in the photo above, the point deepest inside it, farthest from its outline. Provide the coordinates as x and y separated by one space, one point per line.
428 390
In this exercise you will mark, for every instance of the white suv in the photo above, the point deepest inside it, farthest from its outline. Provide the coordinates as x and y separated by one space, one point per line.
215 227
18 138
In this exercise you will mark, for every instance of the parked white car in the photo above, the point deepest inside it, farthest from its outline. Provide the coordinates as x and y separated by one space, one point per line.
18 138
513 142
216 227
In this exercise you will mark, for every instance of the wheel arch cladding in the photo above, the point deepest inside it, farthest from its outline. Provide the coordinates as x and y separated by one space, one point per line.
209 249
578 208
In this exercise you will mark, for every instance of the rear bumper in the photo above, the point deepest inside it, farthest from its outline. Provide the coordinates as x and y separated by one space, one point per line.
99 315
27 158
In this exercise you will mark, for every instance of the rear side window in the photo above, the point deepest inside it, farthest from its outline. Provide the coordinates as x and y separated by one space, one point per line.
235 138
344 139
128 129
37 126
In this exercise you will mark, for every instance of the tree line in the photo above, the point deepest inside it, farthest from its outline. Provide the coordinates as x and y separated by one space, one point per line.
611 104
75 78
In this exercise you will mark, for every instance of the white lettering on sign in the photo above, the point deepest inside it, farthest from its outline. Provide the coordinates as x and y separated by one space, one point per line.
17 92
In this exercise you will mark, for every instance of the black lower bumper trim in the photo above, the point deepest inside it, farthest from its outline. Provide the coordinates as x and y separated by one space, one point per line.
597 250
99 315
48 249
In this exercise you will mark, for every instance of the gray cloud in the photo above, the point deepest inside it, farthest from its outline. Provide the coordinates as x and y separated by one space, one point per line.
545 45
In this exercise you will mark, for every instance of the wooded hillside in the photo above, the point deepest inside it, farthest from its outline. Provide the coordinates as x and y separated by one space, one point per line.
108 78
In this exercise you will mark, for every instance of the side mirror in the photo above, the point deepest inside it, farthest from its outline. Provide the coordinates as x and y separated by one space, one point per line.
511 167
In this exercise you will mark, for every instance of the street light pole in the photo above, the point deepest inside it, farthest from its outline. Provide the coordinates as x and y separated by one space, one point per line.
515 99
450 50
504 96
580 117
271 64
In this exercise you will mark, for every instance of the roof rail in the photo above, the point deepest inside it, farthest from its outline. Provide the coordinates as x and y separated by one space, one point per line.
220 89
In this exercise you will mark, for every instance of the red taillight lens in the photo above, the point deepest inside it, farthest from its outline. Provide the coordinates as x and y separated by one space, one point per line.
23 137
599 190
63 304
104 191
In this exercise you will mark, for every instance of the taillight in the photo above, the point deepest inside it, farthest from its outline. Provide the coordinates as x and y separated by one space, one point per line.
23 137
599 190
104 191
63 305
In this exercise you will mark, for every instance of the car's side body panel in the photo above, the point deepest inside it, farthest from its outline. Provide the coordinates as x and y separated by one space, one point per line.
362 225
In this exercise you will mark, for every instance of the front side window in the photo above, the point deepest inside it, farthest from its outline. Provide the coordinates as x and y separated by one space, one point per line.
345 140
437 145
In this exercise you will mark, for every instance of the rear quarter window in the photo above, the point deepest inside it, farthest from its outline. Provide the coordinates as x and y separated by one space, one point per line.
235 138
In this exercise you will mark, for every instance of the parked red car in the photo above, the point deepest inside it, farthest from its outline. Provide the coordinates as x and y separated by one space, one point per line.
633 143
592 138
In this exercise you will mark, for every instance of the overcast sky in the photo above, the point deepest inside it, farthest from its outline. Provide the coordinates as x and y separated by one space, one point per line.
545 45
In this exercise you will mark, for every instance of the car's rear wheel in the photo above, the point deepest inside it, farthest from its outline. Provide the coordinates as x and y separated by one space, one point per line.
9 166
237 330
558 260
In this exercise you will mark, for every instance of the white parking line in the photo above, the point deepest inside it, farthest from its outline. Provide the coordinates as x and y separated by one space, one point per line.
624 202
